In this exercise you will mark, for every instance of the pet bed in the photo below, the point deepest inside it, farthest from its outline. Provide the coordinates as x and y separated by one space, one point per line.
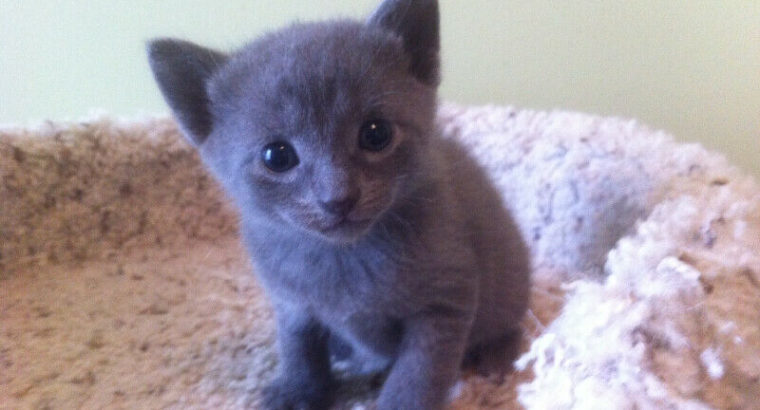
123 284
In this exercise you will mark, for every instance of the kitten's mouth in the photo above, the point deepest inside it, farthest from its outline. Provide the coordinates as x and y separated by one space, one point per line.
346 228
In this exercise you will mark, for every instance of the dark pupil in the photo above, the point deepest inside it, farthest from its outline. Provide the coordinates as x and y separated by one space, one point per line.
375 135
279 156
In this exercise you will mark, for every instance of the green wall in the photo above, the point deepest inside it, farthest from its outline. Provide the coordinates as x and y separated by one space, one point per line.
690 67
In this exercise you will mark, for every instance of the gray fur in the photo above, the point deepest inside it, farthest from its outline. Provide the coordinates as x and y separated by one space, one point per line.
425 272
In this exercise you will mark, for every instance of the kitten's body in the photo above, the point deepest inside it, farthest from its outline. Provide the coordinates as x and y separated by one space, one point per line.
405 252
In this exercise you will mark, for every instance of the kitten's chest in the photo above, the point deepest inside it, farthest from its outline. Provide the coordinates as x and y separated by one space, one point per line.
339 282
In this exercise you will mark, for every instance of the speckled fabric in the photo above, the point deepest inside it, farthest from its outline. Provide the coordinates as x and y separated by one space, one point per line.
71 192
123 283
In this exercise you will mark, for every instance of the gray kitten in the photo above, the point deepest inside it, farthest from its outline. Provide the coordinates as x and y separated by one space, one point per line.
366 228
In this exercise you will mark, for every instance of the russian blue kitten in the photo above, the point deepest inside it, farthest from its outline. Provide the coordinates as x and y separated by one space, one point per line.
366 228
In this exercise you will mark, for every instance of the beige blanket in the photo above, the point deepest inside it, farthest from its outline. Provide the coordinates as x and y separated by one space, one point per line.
123 285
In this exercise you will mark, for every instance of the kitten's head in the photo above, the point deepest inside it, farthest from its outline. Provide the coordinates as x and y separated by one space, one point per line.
320 126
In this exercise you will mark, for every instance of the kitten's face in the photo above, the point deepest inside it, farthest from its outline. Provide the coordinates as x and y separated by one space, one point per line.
319 128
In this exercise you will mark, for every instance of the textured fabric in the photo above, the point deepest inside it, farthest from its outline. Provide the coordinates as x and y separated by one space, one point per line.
123 285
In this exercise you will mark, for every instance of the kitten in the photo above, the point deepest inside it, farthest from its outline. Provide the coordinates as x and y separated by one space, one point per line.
364 224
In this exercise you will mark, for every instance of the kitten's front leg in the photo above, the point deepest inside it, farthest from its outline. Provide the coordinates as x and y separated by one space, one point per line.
428 361
305 381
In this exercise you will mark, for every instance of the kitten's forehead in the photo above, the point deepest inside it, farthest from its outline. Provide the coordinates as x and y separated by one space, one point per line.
311 70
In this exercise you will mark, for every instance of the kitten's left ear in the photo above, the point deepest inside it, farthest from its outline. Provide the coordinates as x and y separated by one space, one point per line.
182 70
417 23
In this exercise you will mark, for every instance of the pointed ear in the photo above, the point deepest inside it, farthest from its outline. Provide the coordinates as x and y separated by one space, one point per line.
417 23
182 70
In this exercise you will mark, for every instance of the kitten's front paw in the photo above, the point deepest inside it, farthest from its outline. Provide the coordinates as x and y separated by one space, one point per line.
283 395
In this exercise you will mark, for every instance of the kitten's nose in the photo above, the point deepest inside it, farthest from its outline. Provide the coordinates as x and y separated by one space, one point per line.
340 206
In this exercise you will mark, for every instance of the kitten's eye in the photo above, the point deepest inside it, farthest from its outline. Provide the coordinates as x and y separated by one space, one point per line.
279 156
375 135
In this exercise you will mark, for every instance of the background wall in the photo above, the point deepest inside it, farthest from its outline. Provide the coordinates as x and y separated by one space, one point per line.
691 67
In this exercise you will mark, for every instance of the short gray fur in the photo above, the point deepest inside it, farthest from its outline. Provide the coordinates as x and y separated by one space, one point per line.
424 271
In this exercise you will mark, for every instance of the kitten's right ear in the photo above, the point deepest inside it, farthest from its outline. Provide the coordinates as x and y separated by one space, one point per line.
417 23
182 70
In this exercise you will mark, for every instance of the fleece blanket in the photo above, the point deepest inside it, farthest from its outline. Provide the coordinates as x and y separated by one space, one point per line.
123 284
